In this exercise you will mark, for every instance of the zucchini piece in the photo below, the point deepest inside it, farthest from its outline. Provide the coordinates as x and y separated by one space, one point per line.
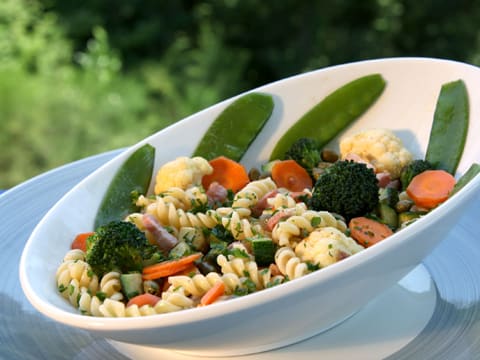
132 284
232 132
408 216
472 171
133 177
333 114
449 128
387 215
263 250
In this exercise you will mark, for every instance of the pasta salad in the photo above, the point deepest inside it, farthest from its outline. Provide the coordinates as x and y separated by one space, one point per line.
213 230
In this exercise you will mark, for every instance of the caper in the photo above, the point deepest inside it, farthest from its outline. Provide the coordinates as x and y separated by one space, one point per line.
206 267
329 156
403 205
254 174
151 287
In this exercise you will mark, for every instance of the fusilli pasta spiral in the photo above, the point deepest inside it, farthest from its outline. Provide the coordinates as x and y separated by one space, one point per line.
241 228
137 219
245 267
289 264
74 254
112 308
172 300
136 311
199 284
168 215
297 227
281 201
192 197
89 304
111 286
252 193
72 276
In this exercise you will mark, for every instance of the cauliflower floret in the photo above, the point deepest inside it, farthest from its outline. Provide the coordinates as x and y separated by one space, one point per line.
182 172
379 147
326 246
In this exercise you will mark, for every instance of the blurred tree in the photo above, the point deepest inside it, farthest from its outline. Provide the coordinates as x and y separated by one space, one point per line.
56 107
30 39
139 29
438 28
92 76
281 38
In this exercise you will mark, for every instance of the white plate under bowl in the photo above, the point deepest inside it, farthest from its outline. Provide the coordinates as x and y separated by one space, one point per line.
313 303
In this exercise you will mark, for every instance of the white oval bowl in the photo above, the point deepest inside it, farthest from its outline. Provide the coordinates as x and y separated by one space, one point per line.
300 308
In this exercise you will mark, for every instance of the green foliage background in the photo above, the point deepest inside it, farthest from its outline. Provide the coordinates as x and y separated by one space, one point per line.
79 78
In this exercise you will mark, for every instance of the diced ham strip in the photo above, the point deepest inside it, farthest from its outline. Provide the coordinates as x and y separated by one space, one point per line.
262 204
164 240
216 194
383 179
394 184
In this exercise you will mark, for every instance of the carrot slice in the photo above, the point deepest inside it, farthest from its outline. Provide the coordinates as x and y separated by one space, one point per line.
144 299
165 272
430 188
80 241
368 232
172 264
217 290
169 267
290 175
228 173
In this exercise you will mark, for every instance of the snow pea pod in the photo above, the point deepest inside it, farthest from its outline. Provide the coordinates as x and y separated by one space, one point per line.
236 127
472 171
449 128
133 176
331 115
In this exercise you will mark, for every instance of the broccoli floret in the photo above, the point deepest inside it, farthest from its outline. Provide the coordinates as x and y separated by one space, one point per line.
118 245
305 152
347 188
411 170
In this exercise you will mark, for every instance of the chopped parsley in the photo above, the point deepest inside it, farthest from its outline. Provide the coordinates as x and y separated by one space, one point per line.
315 221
